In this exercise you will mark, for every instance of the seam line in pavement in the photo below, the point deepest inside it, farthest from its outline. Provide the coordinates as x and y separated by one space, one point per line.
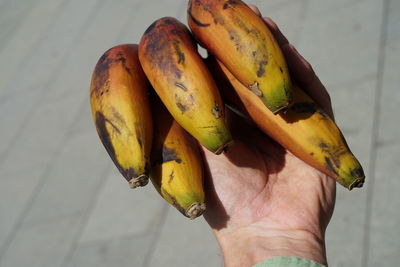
18 24
30 53
11 235
158 226
46 87
85 217
375 134
49 167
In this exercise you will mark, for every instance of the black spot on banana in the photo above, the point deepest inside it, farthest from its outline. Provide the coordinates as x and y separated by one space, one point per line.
121 112
239 38
304 128
176 171
182 81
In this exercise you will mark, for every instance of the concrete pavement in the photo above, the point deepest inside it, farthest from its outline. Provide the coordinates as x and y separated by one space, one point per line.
64 204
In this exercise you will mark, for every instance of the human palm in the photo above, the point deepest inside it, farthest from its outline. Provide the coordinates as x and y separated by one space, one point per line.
258 183
259 188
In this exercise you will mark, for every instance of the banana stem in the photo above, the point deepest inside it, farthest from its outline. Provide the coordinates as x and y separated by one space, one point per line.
195 210
141 180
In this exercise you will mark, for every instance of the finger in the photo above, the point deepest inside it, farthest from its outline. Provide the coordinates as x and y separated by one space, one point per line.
300 69
255 9
276 32
303 73
280 38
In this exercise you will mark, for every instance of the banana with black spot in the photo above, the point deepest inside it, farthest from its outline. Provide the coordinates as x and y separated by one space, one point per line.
181 79
177 171
304 129
121 111
239 38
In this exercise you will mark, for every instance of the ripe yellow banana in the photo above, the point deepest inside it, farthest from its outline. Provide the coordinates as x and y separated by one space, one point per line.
176 170
239 38
304 129
178 74
121 111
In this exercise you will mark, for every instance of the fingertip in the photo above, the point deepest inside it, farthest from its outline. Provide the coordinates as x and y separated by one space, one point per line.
270 23
298 64
273 27
255 10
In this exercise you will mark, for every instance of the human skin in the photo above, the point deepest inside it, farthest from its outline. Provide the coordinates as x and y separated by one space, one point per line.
262 201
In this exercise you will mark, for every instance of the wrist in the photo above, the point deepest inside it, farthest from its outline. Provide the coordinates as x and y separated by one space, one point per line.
252 245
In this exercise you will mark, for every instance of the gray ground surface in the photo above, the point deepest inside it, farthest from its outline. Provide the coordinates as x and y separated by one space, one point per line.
62 203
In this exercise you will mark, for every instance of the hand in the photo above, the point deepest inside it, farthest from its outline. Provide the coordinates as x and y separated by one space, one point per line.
262 201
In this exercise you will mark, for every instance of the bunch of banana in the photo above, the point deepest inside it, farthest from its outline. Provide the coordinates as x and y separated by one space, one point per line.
251 74
239 38
122 114
177 72
304 128
121 111
176 170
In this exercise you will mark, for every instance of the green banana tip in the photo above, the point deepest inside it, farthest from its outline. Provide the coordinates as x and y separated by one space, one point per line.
141 180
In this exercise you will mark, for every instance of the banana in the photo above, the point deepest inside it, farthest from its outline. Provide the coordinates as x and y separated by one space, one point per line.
178 74
239 38
304 129
121 111
176 170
